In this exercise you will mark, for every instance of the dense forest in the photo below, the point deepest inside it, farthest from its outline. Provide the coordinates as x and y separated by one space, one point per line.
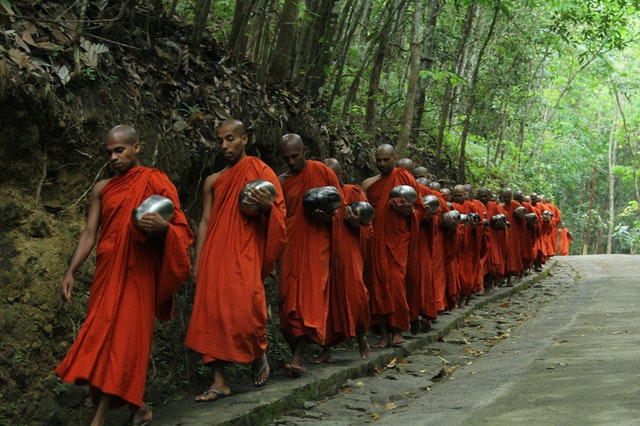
533 95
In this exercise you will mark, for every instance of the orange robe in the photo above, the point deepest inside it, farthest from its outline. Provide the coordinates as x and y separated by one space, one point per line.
135 278
565 241
304 266
496 260
389 250
229 318
528 238
434 295
472 249
514 248
419 277
348 296
545 246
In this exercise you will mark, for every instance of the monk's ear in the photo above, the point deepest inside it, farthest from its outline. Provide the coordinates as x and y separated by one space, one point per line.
136 147
245 139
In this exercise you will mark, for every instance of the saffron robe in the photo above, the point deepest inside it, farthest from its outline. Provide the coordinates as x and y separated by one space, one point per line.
528 238
389 250
496 260
135 278
229 318
514 263
564 237
472 249
304 266
348 295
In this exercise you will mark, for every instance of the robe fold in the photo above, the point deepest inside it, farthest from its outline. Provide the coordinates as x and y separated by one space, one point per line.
496 258
348 296
229 315
514 263
528 238
389 250
304 266
134 280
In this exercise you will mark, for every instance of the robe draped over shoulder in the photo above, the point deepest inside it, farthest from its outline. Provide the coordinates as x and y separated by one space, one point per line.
389 250
134 280
514 263
229 315
304 266
348 295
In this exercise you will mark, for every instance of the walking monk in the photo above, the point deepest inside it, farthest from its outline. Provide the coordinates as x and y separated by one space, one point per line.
304 267
348 314
234 254
137 270
394 221
564 240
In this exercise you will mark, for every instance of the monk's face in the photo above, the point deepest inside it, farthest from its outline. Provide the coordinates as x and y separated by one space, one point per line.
232 142
484 196
294 156
123 155
458 194
385 162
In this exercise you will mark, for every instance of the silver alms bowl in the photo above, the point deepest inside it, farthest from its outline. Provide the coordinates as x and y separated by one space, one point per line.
153 204
246 206
364 209
405 191
432 203
325 198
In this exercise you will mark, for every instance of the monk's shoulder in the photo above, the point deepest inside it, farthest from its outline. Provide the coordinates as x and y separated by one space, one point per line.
370 181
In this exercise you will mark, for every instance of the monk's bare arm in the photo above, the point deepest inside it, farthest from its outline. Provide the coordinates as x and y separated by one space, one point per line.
207 204
86 242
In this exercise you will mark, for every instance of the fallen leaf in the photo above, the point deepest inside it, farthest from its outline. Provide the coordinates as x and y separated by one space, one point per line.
346 390
389 406
392 363
442 373
378 370
359 384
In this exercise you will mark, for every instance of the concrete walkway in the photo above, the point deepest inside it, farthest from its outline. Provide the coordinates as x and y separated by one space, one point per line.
251 406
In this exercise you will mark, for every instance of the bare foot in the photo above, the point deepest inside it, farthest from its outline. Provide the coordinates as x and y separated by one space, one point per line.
425 325
397 338
382 343
295 370
140 417
325 356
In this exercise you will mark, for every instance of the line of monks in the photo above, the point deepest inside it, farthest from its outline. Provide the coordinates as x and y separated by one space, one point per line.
417 258
343 271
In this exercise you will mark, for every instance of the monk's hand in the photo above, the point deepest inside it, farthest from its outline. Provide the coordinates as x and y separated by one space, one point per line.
322 215
66 287
352 219
261 197
401 206
427 216
152 223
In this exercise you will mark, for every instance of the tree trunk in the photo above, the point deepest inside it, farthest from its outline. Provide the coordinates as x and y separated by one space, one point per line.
414 76
613 148
199 23
427 62
280 67
238 35
472 97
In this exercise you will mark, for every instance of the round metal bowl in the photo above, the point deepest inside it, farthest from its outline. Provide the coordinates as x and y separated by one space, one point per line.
405 191
325 198
154 204
450 220
246 206
364 209
520 212
432 203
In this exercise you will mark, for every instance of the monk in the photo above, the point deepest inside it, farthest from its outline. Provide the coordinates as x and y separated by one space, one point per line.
483 230
516 216
472 247
395 219
234 254
495 265
138 268
529 234
542 246
564 240
349 314
304 266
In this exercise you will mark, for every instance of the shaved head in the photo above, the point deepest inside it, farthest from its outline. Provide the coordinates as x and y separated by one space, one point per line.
405 163
124 133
